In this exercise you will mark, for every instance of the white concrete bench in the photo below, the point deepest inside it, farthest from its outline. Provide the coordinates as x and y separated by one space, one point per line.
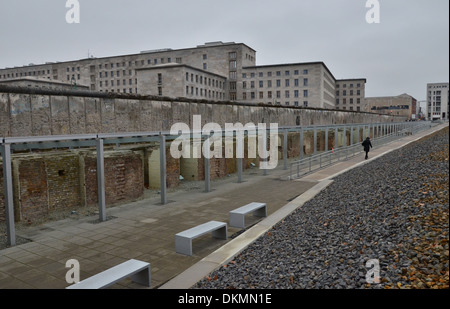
183 240
237 216
138 271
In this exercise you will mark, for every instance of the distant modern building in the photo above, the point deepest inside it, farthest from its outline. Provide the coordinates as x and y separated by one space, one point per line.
402 105
437 101
213 71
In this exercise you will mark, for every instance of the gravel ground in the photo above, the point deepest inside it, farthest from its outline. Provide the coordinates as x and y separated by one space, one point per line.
393 209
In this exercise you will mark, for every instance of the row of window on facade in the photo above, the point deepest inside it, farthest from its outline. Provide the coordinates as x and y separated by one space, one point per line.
270 95
26 74
124 90
113 83
351 92
287 83
277 73
358 85
350 108
351 101
137 63
200 92
207 81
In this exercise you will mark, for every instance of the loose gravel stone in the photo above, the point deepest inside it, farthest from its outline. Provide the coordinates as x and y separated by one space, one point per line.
393 210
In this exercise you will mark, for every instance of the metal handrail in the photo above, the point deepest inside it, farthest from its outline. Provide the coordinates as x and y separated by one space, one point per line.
330 157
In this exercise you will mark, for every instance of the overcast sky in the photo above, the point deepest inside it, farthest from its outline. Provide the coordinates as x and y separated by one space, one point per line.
406 50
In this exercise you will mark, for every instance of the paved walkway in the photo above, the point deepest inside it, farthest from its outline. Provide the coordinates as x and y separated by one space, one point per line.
145 230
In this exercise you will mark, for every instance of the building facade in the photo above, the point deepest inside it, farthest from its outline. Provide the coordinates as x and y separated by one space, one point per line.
350 94
437 101
297 84
229 67
402 105
179 80
45 84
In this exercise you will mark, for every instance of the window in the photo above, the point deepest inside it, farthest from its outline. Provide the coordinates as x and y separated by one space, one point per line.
287 83
305 72
261 95
269 84
287 73
287 94
305 82
278 73
296 72
305 93
205 66
296 93
159 79
160 93
233 64
252 84
244 75
232 55
305 103
269 94
278 83
261 84
244 85
261 74
233 75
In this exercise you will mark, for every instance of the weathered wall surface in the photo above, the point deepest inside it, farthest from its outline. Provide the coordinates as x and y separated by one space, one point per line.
44 183
49 113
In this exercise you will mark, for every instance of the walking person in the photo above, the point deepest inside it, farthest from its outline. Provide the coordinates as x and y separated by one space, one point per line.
367 145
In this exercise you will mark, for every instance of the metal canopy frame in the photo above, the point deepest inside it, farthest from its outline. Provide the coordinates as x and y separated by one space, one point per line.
10 144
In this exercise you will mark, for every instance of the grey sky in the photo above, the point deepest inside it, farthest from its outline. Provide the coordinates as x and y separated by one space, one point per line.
406 50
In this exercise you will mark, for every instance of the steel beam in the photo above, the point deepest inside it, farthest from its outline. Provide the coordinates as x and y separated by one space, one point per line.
101 180
163 169
9 199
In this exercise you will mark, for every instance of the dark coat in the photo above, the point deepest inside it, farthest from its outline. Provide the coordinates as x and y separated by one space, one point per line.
367 145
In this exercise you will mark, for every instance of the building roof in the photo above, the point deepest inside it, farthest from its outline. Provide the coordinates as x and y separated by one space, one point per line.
291 64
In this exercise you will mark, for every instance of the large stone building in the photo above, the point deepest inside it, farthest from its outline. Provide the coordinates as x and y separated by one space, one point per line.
402 105
350 94
437 101
44 84
214 71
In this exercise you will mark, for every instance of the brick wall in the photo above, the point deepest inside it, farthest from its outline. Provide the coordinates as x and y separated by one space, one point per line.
124 177
30 188
63 180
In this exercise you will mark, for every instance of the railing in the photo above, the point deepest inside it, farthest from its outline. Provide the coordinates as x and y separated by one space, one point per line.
316 162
